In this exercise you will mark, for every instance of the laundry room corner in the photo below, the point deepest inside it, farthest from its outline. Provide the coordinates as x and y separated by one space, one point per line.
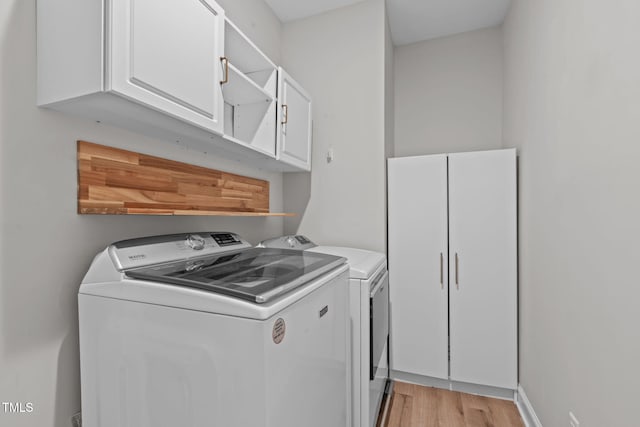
346 76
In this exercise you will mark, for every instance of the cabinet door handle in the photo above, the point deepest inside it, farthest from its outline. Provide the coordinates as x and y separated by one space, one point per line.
225 60
285 113
441 271
457 282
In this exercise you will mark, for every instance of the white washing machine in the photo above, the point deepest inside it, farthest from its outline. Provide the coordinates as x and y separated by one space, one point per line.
369 310
203 330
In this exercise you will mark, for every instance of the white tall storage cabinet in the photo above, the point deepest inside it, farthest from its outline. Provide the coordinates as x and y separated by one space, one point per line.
453 267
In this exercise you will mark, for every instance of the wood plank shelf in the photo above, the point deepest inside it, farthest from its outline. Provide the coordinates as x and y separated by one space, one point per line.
120 182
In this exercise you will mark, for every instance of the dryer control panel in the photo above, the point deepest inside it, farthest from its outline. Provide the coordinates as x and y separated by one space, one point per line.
294 241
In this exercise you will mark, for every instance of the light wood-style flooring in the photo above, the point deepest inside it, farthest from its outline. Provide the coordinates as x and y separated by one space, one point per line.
417 406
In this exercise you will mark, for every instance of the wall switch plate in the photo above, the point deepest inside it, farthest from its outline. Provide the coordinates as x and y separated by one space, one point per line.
573 421
330 155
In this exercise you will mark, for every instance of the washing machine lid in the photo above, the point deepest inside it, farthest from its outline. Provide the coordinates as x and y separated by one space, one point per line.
257 275
362 263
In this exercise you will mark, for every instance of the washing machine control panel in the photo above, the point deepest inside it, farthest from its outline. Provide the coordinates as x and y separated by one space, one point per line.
195 242
153 250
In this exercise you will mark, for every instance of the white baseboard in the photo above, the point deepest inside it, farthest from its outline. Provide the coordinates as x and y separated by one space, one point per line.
482 390
526 410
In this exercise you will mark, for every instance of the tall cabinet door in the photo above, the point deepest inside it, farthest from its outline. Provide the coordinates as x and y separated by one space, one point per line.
166 54
417 191
483 267
294 123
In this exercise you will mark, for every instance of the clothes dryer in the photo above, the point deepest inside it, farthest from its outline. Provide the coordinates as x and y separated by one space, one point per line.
369 311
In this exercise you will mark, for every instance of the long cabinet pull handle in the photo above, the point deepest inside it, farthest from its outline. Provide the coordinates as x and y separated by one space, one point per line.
225 60
441 271
285 113
457 282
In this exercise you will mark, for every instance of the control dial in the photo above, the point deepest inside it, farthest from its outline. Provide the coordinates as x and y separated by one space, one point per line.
291 242
195 242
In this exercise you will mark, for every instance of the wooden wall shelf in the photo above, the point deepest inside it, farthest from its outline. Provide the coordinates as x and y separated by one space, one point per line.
114 181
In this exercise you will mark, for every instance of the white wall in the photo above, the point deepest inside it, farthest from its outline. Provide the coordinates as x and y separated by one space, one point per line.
448 94
339 57
45 246
389 92
572 107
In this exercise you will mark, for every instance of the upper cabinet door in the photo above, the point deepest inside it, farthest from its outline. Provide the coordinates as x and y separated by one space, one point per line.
483 285
294 123
166 54
417 201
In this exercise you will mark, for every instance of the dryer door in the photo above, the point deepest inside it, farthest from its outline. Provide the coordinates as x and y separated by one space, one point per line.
379 322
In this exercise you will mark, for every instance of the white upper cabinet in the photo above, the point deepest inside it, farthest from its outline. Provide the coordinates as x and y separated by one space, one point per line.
294 123
121 61
177 70
166 55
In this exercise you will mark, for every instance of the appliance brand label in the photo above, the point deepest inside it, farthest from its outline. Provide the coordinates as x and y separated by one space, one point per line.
324 310
279 329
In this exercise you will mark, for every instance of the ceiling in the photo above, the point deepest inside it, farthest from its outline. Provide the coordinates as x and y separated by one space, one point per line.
290 10
410 20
